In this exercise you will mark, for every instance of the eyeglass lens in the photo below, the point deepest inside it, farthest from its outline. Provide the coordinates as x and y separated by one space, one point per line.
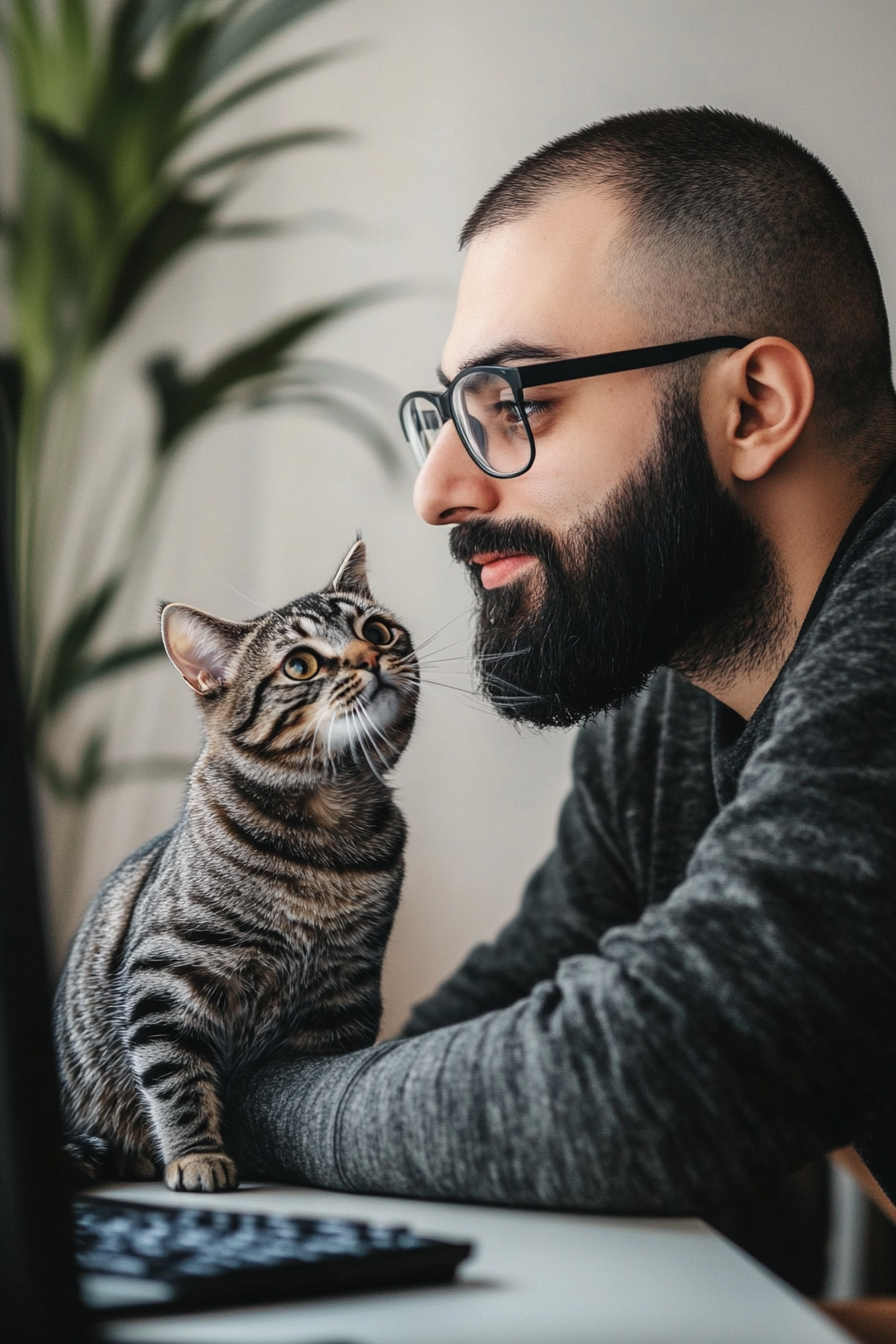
422 422
490 422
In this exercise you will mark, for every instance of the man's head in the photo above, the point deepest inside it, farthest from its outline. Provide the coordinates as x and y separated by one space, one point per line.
649 529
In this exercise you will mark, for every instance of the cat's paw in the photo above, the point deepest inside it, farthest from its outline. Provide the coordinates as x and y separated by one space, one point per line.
201 1171
89 1159
143 1169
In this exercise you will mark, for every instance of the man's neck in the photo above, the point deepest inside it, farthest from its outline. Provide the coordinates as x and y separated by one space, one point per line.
805 514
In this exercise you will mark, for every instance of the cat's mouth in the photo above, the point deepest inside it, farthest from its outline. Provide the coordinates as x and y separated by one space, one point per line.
379 688
362 722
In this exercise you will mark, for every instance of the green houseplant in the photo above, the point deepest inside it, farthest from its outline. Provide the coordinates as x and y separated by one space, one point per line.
112 187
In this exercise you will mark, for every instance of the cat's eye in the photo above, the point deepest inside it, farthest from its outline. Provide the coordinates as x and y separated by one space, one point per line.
301 665
378 633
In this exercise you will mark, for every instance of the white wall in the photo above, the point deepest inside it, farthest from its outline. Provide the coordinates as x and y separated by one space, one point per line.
445 98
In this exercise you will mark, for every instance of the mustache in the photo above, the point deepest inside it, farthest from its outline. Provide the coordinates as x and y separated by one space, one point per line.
508 534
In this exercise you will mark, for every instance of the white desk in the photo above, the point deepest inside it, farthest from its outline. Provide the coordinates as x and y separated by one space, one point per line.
538 1278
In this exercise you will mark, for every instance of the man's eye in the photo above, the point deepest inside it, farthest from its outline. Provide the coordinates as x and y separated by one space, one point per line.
300 665
532 409
378 633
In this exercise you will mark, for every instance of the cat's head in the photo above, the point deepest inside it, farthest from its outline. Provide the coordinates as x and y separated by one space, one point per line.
328 679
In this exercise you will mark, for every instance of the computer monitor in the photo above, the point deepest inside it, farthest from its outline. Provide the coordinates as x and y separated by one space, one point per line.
39 1301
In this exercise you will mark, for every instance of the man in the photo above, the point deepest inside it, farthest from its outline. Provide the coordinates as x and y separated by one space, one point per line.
692 551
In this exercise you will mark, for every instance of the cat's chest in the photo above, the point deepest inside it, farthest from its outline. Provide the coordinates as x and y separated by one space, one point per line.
259 945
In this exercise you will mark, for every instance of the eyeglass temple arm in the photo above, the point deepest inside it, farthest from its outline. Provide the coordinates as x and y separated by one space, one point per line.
620 361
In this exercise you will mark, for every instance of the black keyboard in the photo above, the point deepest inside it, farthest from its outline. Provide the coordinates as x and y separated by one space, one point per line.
140 1257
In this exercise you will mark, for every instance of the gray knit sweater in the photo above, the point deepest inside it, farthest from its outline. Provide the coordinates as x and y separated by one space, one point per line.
698 993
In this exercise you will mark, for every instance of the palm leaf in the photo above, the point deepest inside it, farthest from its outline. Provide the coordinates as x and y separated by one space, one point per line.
260 149
111 94
178 222
344 413
74 27
239 37
124 658
174 87
66 680
240 229
156 15
22 34
126 34
67 654
94 771
147 768
184 401
76 785
268 80
314 373
73 155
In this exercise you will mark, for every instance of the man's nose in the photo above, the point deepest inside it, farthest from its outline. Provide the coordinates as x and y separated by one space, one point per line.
450 487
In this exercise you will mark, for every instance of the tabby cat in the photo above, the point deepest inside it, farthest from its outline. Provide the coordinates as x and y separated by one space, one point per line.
257 925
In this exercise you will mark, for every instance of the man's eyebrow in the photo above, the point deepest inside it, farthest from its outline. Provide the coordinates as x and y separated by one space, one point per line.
506 354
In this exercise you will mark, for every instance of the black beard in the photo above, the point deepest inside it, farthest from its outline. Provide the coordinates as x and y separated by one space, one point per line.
670 571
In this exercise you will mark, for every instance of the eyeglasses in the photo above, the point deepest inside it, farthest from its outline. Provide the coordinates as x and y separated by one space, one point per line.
495 420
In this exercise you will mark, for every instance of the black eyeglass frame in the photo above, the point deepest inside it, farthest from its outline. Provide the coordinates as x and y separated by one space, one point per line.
562 371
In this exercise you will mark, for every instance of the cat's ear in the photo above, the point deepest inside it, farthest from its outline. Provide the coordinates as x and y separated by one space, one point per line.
351 576
200 646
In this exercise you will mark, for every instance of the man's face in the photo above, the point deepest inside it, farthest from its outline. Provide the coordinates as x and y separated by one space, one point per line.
540 284
618 550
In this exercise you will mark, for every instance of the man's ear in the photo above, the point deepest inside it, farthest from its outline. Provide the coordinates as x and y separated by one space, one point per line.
200 646
351 576
755 406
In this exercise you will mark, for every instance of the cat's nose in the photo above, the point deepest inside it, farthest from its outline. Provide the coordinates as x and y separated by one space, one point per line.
362 654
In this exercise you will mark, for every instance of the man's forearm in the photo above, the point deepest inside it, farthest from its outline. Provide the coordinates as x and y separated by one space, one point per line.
513 1108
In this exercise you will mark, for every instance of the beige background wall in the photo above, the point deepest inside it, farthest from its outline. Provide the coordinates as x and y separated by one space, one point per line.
444 98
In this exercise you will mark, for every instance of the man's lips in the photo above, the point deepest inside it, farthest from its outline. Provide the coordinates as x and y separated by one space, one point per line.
499 567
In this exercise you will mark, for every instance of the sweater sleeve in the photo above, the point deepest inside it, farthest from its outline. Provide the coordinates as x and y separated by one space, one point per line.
722 1038
586 885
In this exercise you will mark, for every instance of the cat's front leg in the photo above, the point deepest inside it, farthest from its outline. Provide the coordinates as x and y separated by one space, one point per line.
178 1073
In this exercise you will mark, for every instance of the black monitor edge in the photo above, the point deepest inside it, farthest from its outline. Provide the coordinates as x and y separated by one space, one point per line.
39 1302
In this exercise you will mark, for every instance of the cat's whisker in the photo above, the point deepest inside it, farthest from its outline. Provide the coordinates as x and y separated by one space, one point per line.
425 642
352 742
499 657
314 743
255 601
372 722
491 678
525 697
472 696
433 653
472 701
472 661
453 658
361 734
248 597
370 728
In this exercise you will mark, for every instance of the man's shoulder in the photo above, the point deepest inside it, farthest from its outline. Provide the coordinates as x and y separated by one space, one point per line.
868 569
854 627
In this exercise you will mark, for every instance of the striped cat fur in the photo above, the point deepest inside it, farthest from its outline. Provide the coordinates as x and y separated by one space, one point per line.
257 925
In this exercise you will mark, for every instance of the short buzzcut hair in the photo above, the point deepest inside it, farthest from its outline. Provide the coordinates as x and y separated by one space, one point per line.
733 226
